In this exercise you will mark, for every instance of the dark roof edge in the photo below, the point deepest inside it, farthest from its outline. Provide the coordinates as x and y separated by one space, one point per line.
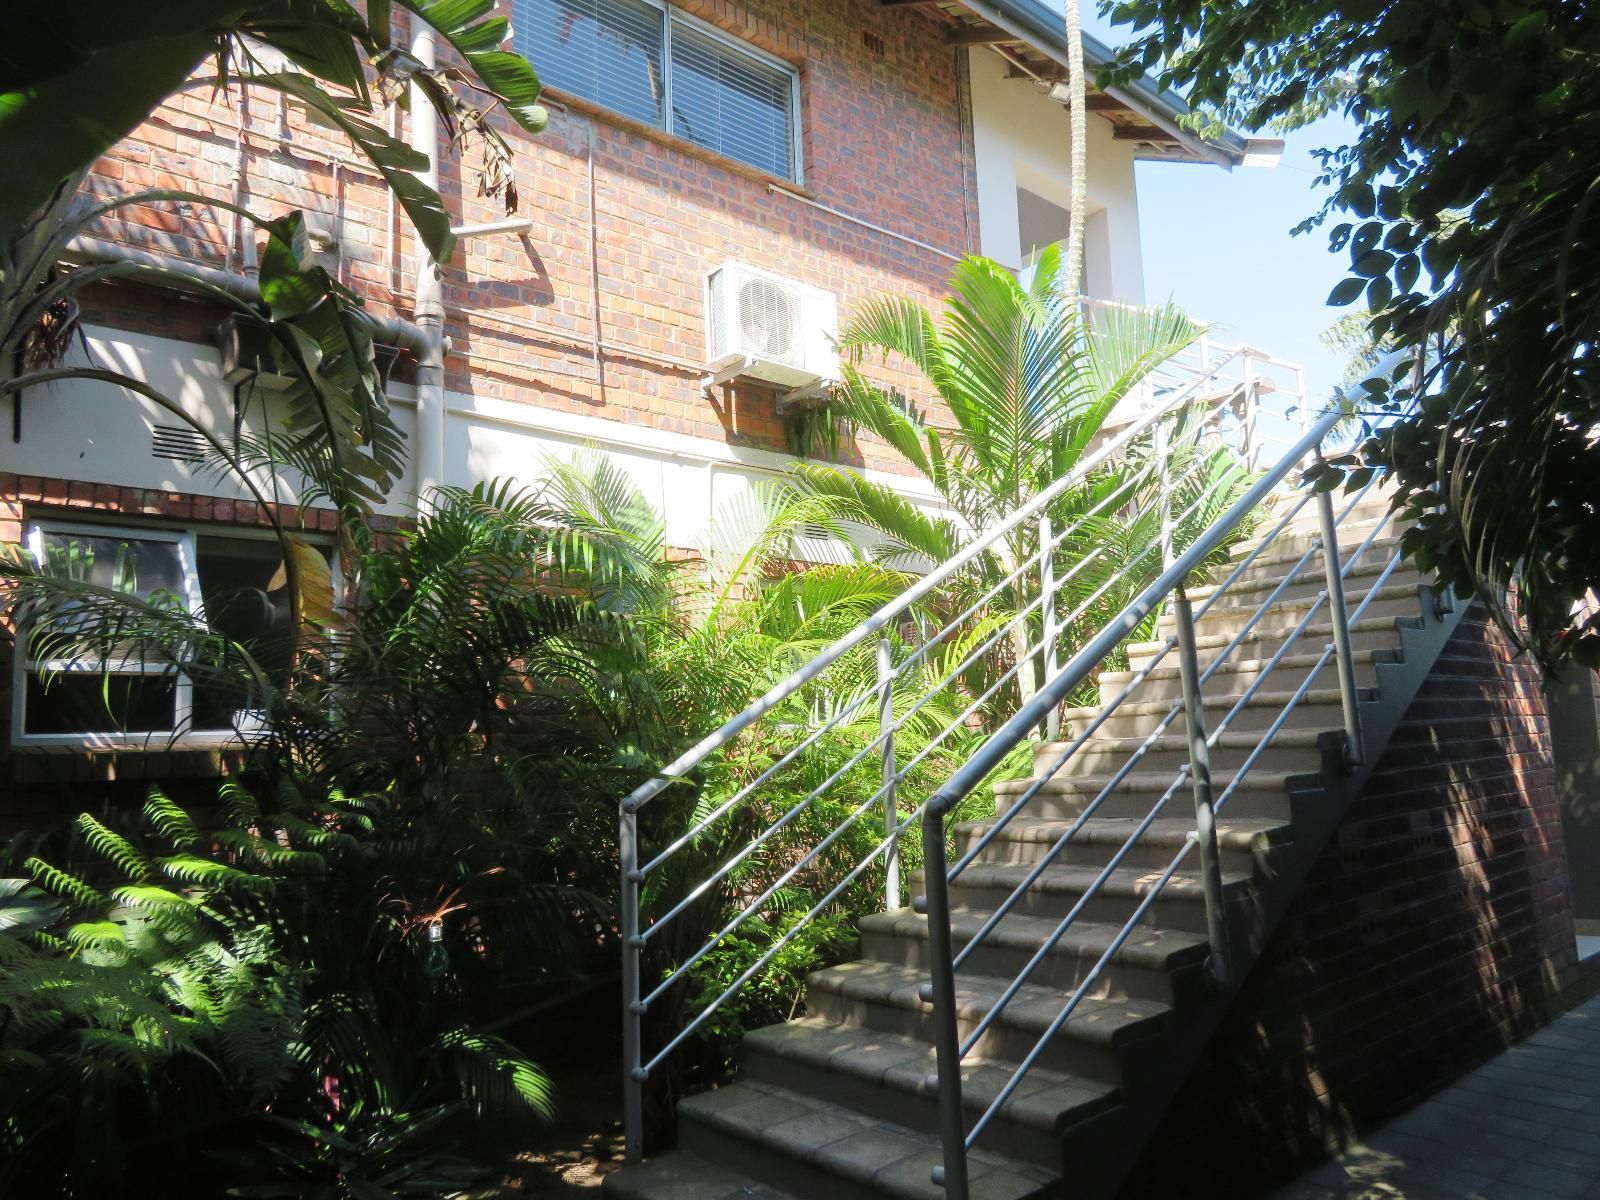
1042 29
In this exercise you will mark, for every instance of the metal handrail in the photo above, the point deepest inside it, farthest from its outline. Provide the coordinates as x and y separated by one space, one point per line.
898 723
879 620
940 990
1086 660
950 1048
1218 421
1183 774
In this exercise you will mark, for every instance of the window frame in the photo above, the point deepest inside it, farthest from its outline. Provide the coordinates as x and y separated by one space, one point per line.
181 736
671 15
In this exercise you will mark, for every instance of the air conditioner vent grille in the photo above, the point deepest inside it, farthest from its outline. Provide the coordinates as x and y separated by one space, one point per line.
768 319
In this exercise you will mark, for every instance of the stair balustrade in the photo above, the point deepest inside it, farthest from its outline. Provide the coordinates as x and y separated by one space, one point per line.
849 703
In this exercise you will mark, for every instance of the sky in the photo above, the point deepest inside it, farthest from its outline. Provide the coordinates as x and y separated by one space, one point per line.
1218 243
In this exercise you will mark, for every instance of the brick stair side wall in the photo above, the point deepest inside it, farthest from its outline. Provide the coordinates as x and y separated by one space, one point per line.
1434 930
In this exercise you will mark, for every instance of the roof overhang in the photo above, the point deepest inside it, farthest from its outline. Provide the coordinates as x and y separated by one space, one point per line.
1032 39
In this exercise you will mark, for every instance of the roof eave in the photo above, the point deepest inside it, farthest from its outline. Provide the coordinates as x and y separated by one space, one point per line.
1030 22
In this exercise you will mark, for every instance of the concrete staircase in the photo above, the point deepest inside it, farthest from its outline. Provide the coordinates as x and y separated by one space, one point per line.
840 1103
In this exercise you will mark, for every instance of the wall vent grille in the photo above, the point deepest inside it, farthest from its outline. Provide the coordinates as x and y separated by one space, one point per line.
178 444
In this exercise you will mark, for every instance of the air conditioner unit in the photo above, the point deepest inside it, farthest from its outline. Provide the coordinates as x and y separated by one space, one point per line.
762 326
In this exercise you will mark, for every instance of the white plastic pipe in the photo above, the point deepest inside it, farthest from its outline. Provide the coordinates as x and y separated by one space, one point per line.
429 302
509 225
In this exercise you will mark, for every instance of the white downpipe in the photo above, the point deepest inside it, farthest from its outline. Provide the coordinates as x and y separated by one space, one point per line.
429 307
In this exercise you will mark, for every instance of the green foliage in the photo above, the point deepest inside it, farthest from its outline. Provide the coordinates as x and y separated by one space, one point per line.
775 992
1475 247
80 80
164 992
1029 389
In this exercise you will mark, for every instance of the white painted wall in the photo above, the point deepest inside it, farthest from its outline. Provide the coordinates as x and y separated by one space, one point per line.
1021 139
100 433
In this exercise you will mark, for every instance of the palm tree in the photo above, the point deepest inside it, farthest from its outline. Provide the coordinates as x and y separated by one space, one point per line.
1029 390
1079 116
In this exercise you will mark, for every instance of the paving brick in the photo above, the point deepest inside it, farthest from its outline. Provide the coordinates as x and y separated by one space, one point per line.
1481 1138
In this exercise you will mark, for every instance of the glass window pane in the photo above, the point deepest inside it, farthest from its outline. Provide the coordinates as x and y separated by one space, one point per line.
88 702
138 566
606 51
87 633
244 596
731 102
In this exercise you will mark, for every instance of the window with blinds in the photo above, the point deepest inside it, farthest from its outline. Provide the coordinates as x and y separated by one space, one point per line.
662 68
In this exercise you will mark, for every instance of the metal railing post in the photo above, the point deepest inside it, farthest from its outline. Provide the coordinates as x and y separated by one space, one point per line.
1164 472
1205 817
891 809
1247 418
632 1010
942 995
1354 749
1047 585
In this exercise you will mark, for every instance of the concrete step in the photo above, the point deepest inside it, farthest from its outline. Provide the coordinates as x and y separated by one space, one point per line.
1318 709
1277 560
1241 841
1309 581
816 1150
1305 531
887 1076
1144 968
1260 793
1391 600
887 997
1236 674
983 887
684 1175
1369 633
1295 751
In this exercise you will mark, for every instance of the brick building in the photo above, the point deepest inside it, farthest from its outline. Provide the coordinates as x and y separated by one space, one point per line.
828 151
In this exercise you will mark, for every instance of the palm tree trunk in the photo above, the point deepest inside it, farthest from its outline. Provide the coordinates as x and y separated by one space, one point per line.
1079 116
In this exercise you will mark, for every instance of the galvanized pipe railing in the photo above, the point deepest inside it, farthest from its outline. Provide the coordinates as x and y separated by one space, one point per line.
1219 965
886 695
1196 771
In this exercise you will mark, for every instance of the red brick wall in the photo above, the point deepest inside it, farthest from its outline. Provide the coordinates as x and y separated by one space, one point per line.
884 139
1434 930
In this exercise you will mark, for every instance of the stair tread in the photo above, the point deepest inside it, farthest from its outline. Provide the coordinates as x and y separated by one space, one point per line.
1372 562
1285 738
1262 699
880 1154
1289 557
905 1064
1232 833
1158 949
1095 1021
1129 882
1240 666
1206 641
1389 591
1149 781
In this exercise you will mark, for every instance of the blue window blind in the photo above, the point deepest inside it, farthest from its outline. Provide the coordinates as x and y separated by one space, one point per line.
606 51
630 57
731 102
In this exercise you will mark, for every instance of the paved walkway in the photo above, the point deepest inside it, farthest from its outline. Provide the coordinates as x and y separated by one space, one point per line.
1524 1126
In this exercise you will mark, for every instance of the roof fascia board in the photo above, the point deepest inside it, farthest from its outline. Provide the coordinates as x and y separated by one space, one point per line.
1025 21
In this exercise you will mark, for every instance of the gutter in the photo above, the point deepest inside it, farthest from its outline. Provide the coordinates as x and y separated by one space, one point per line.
1029 21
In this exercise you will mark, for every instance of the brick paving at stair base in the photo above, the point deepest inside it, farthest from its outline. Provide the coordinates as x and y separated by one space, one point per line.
1524 1126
